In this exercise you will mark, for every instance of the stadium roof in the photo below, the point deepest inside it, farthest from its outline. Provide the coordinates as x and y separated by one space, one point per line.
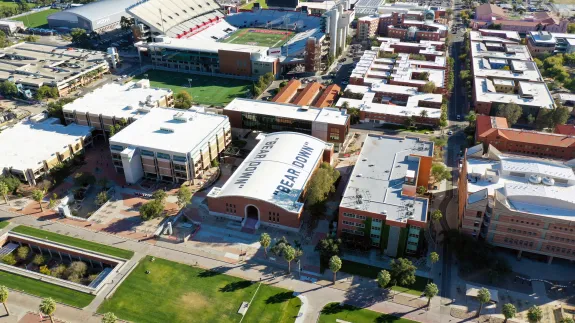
206 46
285 159
27 144
376 182
119 100
96 10
171 130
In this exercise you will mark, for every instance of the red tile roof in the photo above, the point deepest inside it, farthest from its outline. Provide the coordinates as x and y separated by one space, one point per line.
486 9
287 93
328 96
308 94
565 129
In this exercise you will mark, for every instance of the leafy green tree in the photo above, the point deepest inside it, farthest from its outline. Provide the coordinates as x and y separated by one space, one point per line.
567 320
23 252
151 210
48 307
160 195
534 314
511 111
265 241
8 88
46 91
402 272
321 184
38 195
440 172
383 278
327 248
55 108
433 257
429 87
436 215
421 190
483 296
471 117
109 317
38 260
530 119
4 191
508 311
80 37
4 298
430 292
9 259
335 265
184 196
102 198
183 100
103 182
289 254
571 28
423 114
84 179
4 41
560 115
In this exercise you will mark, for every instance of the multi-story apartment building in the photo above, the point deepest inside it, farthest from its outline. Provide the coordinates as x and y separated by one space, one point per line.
521 203
496 132
505 72
328 124
543 42
116 103
380 200
367 27
489 14
31 148
170 145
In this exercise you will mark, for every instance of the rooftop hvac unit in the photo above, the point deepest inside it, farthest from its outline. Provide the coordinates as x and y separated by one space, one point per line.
144 109
180 117
166 129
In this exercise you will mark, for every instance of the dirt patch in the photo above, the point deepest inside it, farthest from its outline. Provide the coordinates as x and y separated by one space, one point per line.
194 301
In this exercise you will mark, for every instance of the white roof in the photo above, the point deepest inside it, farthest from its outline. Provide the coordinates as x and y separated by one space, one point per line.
515 189
540 95
119 100
192 44
376 182
286 110
281 158
164 130
27 144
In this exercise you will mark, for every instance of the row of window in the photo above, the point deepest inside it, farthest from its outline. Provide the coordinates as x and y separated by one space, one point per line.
231 208
562 229
524 222
560 250
355 216
354 224
413 235
412 243
562 239
356 232
529 233
518 242
375 236
274 219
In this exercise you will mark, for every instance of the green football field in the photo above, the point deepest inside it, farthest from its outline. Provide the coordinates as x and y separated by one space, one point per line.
37 19
207 90
259 37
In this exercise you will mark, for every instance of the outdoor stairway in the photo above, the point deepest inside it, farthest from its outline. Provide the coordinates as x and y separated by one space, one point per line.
8 249
100 277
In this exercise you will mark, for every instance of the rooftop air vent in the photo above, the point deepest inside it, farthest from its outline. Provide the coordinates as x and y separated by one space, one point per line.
548 181
535 179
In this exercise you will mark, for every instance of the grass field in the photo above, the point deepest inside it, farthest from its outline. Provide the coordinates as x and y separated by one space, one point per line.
37 19
3 224
88 245
42 289
250 5
174 292
9 3
205 89
259 37
333 312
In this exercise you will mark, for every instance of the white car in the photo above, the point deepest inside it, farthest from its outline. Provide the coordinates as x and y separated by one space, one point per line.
458 117
450 132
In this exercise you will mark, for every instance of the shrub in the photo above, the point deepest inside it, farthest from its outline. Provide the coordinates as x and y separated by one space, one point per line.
75 278
45 270
9 259
38 260
58 272
76 269
23 252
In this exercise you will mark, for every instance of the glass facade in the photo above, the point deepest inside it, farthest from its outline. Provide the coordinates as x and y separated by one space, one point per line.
265 123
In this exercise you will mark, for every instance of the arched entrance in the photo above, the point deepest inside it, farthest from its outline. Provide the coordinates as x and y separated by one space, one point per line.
252 212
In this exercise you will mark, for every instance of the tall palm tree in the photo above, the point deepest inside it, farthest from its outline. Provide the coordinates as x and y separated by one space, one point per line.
4 298
48 307
38 195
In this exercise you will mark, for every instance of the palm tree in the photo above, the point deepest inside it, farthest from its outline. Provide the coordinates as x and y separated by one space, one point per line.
335 266
430 291
4 298
534 314
48 307
436 215
483 296
433 257
265 241
289 255
423 114
4 191
38 195
509 311
109 318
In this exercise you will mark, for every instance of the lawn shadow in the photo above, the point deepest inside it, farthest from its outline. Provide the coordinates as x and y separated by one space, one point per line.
232 287
280 298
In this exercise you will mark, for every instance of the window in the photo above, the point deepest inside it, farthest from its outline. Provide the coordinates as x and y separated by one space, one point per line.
116 147
179 158
147 153
163 156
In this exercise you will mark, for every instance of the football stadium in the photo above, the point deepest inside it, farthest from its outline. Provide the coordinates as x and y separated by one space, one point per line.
198 37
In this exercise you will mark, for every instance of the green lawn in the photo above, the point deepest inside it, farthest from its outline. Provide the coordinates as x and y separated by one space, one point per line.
174 292
333 312
3 224
37 19
369 271
259 37
42 289
396 127
79 243
250 5
9 3
205 89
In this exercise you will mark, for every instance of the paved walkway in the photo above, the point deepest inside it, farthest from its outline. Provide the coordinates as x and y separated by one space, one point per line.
359 292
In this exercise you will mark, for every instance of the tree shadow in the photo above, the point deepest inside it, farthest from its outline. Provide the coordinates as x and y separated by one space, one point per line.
232 287
280 298
209 273
335 308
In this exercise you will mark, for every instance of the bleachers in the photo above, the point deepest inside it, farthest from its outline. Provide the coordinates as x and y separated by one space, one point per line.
215 32
296 45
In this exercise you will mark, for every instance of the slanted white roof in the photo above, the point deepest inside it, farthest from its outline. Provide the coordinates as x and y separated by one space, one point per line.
119 100
282 157
164 130
27 144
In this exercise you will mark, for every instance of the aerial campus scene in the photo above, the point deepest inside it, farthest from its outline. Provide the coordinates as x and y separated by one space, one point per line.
349 161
